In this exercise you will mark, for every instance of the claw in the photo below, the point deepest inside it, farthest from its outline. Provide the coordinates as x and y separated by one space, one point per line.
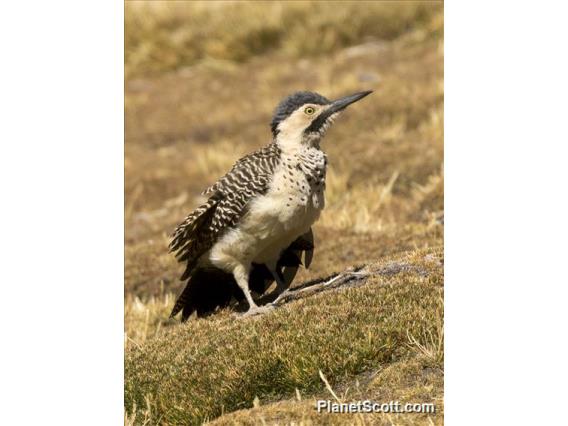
258 310
280 297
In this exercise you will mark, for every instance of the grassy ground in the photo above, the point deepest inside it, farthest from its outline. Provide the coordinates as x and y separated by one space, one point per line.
191 115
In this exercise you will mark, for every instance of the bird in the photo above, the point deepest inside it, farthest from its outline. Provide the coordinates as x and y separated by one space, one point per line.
255 227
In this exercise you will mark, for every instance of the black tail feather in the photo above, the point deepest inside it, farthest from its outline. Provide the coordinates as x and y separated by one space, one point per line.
210 288
206 290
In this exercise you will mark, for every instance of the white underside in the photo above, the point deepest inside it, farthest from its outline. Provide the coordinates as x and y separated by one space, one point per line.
273 222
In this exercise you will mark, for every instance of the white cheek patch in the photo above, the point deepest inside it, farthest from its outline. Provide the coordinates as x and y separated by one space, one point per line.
291 131
292 128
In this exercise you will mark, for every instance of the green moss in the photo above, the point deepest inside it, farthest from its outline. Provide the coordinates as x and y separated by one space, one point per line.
198 370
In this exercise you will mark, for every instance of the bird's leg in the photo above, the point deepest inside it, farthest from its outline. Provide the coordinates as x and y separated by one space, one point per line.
241 275
277 275
281 296
281 286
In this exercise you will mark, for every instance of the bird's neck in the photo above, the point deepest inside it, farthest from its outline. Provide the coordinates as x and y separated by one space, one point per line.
291 146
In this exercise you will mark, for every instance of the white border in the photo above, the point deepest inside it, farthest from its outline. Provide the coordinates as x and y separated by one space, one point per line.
61 171
506 140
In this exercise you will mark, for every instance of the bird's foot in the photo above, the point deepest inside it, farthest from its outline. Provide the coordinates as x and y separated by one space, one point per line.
280 297
257 310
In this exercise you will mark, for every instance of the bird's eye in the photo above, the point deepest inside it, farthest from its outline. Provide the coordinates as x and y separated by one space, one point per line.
309 110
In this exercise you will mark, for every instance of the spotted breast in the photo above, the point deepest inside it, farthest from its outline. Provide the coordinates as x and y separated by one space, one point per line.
292 203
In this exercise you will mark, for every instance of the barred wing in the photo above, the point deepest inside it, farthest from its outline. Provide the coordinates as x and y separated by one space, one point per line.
229 197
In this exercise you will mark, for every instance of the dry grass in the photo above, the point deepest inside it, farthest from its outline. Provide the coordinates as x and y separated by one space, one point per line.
185 127
416 379
168 35
214 365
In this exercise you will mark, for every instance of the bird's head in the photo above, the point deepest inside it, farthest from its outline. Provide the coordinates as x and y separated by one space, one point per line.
304 117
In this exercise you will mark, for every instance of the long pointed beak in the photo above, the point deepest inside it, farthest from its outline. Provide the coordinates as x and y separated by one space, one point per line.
336 106
342 103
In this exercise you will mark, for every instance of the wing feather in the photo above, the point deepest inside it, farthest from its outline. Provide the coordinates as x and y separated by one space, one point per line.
227 204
